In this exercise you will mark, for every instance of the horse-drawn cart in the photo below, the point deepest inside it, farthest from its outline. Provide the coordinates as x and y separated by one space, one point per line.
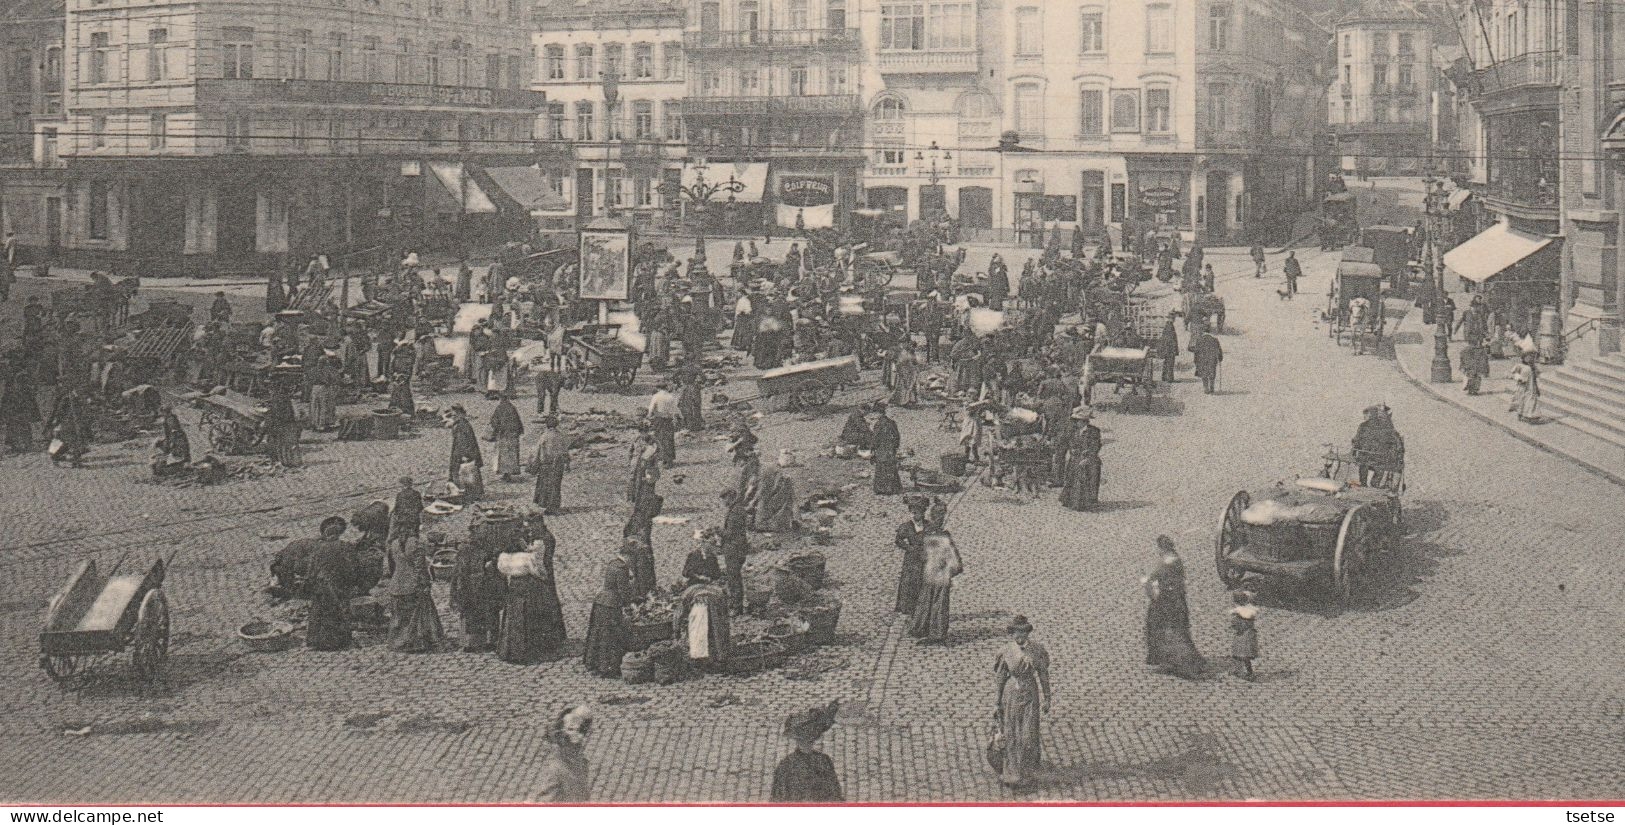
596 356
810 384
1354 305
1129 367
1327 528
233 422
95 615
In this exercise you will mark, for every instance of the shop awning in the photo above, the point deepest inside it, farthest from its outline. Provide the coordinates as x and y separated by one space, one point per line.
526 187
751 176
1491 252
1458 197
462 187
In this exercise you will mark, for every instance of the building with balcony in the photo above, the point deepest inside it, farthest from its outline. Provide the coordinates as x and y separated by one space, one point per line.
1513 91
1591 185
925 66
233 136
1196 116
32 194
774 95
613 134
1381 102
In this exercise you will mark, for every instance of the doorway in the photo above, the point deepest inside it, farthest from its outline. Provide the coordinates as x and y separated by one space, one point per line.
933 200
1092 199
1218 204
976 207
235 223
53 227
157 220
584 196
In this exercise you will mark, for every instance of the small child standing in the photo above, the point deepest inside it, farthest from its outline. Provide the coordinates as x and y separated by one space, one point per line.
1243 634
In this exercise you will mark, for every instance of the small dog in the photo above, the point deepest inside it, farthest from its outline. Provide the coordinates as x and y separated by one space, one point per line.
1286 295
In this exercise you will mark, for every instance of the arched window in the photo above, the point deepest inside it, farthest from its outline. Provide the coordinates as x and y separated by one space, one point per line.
1125 111
889 108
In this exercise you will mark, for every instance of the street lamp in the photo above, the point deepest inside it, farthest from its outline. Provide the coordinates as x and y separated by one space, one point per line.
701 191
933 172
1434 199
612 94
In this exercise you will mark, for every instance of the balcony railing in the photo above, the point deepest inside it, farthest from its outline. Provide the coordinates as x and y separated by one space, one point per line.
1532 69
772 39
789 105
928 62
886 128
332 92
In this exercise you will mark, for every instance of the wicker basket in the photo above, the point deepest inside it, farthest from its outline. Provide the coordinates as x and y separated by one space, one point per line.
637 669
443 564
791 634
809 566
754 657
640 636
821 621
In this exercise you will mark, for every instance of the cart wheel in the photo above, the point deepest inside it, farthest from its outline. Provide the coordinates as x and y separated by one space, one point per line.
1232 538
1353 540
814 394
60 668
151 644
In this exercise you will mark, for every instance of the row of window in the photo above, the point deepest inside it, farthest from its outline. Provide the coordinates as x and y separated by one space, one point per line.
751 81
1139 111
583 121
1404 44
1092 34
514 9
1403 111
589 65
237 130
748 16
920 26
307 57
1404 77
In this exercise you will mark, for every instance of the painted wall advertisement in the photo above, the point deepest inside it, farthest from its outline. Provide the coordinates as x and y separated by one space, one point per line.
809 198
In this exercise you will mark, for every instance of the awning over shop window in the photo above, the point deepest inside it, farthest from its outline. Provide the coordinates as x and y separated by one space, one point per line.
1493 251
527 188
1458 197
753 176
462 187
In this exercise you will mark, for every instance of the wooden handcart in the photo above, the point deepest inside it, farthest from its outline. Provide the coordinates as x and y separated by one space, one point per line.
233 422
594 356
810 384
1122 367
95 616
1325 529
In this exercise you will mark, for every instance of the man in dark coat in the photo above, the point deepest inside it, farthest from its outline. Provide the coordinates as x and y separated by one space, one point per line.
1168 349
884 445
998 283
19 408
549 382
465 448
552 460
1293 271
220 310
1208 355
1377 445
735 546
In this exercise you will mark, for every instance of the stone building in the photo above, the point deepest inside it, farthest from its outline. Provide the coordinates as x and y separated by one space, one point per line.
224 136
612 138
775 106
33 202
1382 100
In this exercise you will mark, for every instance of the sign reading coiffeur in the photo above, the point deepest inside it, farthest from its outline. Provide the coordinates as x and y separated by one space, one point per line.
806 190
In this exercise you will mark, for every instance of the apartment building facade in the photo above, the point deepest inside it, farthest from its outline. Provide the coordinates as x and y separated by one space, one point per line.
1200 117
33 204
775 105
223 135
612 138
1382 101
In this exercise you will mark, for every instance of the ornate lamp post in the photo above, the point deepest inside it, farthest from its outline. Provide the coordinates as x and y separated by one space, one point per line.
933 173
701 191
1435 201
612 94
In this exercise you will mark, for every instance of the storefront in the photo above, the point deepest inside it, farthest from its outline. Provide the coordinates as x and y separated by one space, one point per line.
1159 192
1517 272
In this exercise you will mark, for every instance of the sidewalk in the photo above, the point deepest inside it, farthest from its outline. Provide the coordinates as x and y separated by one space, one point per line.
1413 349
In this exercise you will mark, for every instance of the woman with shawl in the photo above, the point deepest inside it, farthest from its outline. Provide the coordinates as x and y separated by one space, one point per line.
530 630
942 564
506 430
1021 680
328 575
606 624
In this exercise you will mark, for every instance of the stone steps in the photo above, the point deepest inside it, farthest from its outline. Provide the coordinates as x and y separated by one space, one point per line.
1589 395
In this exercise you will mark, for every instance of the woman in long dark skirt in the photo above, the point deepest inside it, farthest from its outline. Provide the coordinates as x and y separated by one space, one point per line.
1021 675
931 608
529 632
606 626
328 574
1080 486
1168 644
414 622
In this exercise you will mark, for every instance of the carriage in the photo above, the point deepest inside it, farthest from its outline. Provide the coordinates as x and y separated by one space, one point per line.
1328 528
233 422
875 270
809 384
96 615
1355 280
1122 367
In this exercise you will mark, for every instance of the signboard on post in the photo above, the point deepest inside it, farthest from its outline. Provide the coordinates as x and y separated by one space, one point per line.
606 261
